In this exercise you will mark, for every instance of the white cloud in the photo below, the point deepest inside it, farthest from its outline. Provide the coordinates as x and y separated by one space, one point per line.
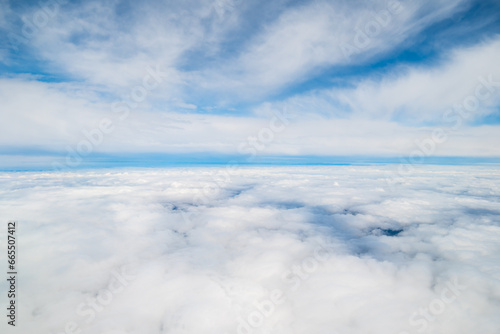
51 113
308 38
426 93
58 115
108 47
77 230
419 93
110 44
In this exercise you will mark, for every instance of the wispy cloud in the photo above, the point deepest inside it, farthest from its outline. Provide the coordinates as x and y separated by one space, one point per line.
229 64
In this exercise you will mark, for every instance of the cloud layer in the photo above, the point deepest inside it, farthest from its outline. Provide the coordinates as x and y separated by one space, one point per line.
257 250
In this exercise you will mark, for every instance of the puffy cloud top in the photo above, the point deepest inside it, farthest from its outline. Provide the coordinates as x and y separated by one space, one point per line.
281 250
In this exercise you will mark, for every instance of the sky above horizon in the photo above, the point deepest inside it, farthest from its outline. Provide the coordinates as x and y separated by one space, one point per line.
281 78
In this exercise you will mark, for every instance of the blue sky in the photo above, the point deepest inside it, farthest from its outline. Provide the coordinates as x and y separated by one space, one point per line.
231 78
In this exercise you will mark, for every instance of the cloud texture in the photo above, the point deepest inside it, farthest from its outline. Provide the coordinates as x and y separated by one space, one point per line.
373 75
265 250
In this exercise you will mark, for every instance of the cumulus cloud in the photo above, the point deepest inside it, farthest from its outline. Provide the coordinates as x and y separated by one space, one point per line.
258 250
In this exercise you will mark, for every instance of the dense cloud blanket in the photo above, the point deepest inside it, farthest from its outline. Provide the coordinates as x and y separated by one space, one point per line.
317 250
